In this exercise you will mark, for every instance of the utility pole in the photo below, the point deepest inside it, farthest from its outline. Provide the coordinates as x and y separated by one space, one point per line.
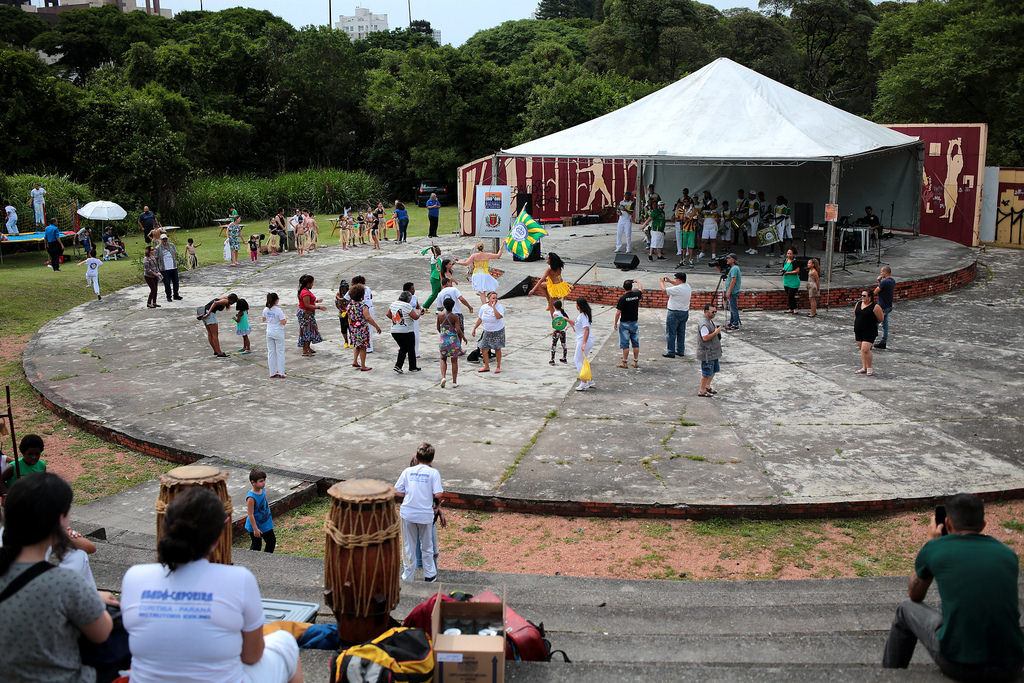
409 5
330 15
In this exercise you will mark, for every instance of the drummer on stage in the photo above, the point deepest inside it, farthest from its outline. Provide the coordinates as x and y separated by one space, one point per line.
753 221
624 229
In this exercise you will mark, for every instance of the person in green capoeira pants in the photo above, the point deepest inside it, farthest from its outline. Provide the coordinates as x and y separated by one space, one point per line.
435 274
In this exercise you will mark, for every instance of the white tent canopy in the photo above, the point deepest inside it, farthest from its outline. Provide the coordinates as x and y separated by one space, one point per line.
707 130
723 112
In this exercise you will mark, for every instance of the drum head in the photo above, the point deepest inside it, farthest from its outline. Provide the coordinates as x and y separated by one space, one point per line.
192 474
559 323
358 490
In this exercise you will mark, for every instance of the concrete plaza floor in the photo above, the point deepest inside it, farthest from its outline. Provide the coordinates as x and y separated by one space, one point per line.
792 426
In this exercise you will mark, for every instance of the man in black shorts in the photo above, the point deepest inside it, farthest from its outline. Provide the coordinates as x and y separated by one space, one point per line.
627 322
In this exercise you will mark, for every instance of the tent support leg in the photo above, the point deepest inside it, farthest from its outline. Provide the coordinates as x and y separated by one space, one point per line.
494 181
830 232
915 214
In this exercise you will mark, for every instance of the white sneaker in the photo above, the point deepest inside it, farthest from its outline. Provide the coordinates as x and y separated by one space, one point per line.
582 386
700 255
713 257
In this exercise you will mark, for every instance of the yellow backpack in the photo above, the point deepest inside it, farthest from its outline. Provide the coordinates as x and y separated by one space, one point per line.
400 654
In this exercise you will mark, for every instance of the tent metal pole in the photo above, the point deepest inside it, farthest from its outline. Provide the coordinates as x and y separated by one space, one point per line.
833 198
637 195
494 181
915 214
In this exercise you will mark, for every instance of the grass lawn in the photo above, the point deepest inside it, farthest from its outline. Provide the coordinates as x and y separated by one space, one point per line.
32 294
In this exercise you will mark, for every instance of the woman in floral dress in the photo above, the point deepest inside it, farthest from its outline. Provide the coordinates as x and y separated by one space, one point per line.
450 330
359 322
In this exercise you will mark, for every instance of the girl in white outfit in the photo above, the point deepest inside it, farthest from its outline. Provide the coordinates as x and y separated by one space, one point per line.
273 316
584 338
92 272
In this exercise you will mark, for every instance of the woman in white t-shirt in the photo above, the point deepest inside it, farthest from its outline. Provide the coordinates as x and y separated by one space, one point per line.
402 316
492 317
584 338
190 620
273 316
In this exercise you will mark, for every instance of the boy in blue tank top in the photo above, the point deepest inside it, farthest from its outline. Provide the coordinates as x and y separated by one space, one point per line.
258 521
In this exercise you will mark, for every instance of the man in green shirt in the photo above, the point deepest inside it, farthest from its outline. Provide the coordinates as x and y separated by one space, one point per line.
656 222
977 634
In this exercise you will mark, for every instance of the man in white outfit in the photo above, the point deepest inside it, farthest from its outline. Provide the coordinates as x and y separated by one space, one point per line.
418 487
624 231
37 197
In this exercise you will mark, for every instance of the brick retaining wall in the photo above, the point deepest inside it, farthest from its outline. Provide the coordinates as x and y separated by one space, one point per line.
776 300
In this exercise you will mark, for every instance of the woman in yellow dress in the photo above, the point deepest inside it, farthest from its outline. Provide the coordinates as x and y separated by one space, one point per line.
483 281
556 287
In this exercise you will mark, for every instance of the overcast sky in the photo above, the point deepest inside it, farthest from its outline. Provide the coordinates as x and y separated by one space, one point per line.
456 19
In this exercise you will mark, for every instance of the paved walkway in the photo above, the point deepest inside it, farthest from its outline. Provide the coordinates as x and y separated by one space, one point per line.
792 425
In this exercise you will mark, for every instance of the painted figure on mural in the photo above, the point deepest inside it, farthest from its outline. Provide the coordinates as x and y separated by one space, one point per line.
597 186
951 185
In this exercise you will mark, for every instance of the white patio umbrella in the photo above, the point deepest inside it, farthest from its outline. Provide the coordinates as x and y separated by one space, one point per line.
102 211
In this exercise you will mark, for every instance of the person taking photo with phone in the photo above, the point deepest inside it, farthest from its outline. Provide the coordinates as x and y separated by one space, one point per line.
977 635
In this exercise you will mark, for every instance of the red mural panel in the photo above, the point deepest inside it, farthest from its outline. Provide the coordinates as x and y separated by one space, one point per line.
557 187
954 171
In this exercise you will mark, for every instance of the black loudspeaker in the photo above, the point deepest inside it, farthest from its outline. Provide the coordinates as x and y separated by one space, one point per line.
524 200
626 261
534 254
803 215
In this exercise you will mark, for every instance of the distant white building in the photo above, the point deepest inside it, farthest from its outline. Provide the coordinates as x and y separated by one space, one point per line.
54 7
362 23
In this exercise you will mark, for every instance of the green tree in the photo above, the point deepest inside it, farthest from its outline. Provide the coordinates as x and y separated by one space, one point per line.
566 9
39 107
758 42
421 26
956 61
832 37
310 114
633 41
511 41
373 48
434 109
570 95
86 39
130 144
18 27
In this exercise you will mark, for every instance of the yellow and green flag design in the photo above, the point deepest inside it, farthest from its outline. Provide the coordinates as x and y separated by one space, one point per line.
525 231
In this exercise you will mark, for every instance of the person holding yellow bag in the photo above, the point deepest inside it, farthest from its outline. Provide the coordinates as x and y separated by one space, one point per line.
584 342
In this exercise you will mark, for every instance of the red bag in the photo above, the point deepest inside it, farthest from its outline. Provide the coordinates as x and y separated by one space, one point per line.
419 617
523 640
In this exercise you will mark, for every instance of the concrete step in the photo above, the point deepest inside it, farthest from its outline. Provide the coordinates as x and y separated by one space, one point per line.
616 630
315 667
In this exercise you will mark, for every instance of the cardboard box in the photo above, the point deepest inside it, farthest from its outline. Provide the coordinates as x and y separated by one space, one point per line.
566 221
468 658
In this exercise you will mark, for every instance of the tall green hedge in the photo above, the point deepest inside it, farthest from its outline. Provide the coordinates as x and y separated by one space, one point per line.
321 190
60 192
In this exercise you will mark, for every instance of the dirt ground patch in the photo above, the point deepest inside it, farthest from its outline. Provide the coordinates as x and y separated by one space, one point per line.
93 467
674 550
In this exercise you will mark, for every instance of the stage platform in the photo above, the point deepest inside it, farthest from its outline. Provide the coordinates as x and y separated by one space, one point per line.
793 432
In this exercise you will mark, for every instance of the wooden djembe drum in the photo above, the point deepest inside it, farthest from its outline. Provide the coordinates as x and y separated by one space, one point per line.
362 560
177 480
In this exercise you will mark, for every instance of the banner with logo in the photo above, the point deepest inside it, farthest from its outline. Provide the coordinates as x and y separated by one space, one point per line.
493 210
